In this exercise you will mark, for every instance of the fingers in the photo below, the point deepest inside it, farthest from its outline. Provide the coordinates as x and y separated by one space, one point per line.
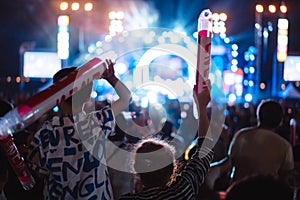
110 67
109 62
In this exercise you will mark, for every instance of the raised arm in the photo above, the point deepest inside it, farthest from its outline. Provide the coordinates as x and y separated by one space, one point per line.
202 100
120 88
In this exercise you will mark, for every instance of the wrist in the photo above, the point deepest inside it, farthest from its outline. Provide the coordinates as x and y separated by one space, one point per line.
112 80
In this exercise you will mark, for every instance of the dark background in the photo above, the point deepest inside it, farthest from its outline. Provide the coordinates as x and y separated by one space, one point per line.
35 21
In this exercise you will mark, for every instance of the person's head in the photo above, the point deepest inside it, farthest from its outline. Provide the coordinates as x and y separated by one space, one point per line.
259 187
269 114
80 96
154 162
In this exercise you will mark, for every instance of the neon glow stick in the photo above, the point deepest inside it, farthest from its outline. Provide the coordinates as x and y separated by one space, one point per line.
293 124
204 46
42 102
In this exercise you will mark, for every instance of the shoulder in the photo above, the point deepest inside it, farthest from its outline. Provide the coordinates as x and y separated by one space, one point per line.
244 132
282 140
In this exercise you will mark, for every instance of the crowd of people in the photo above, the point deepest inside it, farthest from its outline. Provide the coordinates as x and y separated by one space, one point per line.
90 151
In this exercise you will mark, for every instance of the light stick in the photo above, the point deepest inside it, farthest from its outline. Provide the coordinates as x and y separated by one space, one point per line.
204 48
42 102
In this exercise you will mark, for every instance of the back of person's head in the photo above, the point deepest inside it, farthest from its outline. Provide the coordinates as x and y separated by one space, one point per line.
269 114
154 162
80 96
259 187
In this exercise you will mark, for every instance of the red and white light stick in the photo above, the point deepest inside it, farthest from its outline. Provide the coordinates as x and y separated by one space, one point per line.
204 46
42 102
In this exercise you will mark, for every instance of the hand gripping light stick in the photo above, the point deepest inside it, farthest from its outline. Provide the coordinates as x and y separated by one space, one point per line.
42 102
204 47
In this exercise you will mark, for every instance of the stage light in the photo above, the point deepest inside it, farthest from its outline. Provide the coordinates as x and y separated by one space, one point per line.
195 35
120 68
91 48
252 57
283 8
251 83
235 47
232 97
18 79
246 105
75 6
234 62
223 17
222 29
63 5
234 68
234 53
8 79
116 23
248 97
259 8
247 56
251 70
112 15
272 8
262 86
282 39
216 29
227 40
215 17
88 7
223 35
63 36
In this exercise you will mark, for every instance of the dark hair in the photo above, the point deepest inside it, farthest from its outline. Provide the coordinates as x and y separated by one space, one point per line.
63 73
154 162
259 187
79 95
269 113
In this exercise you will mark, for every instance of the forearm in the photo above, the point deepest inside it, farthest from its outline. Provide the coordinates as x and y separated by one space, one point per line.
122 91
203 124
